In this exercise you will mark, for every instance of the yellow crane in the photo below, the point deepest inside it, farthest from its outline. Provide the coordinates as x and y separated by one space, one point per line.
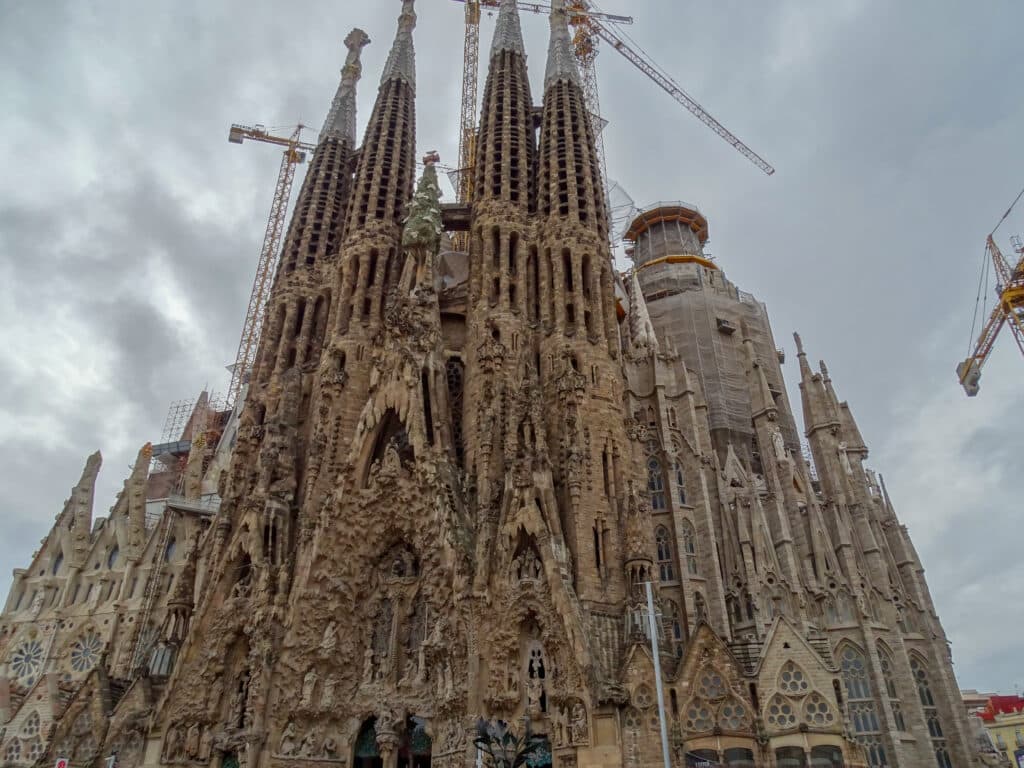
294 153
590 26
1008 311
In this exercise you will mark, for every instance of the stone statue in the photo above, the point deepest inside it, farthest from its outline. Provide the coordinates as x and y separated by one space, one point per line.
206 744
578 730
330 749
172 744
327 697
330 639
308 687
844 458
368 665
779 445
288 746
192 741
308 746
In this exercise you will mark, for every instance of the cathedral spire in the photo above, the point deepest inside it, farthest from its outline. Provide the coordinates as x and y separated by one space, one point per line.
341 120
401 63
508 34
643 336
561 59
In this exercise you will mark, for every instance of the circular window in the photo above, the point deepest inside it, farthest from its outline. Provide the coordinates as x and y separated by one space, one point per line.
792 680
698 718
733 716
781 714
86 652
817 711
712 685
643 697
27 660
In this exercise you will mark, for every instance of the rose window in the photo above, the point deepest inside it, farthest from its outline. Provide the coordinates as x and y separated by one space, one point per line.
712 685
31 726
643 698
699 718
780 713
733 716
86 652
817 711
632 719
27 661
792 680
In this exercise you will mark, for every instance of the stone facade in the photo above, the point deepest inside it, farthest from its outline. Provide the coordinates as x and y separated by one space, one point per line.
451 481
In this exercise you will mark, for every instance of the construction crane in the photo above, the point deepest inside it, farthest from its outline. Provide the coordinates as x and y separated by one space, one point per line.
586 51
1009 308
590 25
294 153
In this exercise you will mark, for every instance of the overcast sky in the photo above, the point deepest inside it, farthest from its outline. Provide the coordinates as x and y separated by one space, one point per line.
129 227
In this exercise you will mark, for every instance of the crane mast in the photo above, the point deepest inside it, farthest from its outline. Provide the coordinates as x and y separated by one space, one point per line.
294 154
590 26
1008 311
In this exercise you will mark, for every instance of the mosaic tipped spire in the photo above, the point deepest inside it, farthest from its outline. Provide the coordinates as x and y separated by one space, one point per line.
423 226
508 34
561 59
341 120
401 63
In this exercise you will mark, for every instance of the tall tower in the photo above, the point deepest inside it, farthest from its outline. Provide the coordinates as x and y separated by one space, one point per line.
591 455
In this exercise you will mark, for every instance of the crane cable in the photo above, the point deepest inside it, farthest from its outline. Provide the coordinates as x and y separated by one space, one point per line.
982 295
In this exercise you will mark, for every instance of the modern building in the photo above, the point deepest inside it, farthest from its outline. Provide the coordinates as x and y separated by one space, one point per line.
459 482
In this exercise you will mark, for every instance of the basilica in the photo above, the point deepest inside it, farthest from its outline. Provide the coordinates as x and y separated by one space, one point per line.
478 472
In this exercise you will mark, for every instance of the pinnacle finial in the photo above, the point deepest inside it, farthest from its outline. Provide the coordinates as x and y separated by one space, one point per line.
401 63
561 59
644 336
423 226
799 343
508 34
341 120
824 368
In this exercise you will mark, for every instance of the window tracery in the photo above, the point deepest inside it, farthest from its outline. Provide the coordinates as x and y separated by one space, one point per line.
680 481
27 661
31 726
817 712
931 713
861 705
792 680
655 483
732 716
673 626
690 548
86 652
663 540
890 688
780 713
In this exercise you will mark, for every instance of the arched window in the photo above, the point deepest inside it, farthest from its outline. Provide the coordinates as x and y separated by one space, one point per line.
170 549
690 548
680 481
112 557
655 483
931 713
861 703
663 539
890 688
673 626
700 607
58 562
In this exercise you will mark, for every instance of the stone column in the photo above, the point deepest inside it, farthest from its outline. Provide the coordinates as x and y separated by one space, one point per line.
5 694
